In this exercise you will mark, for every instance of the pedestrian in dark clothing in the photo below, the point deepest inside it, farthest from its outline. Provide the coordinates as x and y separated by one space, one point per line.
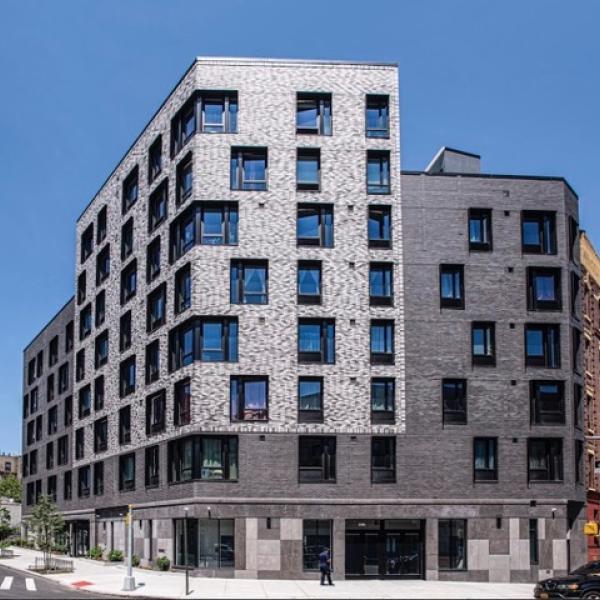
325 566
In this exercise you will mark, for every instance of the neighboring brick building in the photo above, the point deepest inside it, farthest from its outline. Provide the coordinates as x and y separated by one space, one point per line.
240 356
590 285
10 464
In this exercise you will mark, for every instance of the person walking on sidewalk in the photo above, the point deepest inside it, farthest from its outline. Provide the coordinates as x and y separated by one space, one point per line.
325 566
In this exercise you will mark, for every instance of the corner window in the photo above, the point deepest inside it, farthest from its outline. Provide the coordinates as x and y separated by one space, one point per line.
127 472
378 172
316 341
310 399
156 406
547 402
184 180
380 227
309 282
317 457
219 112
452 544
452 286
130 190
545 458
127 239
157 205
480 229
381 284
249 397
153 260
454 401
544 289
538 232
155 159
313 113
383 460
377 118
183 288
183 402
383 400
382 342
483 343
485 459
542 345
314 226
152 362
129 281
85 402
308 169
183 125
156 309
249 169
152 472
125 425
127 377
249 282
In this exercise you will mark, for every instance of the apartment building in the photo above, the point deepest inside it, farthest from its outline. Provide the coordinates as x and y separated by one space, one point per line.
10 464
590 287
261 347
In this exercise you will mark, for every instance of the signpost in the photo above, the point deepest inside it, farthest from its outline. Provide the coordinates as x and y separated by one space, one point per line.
129 581
185 552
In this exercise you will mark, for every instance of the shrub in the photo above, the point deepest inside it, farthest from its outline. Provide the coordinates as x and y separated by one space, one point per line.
135 560
163 563
115 555
96 553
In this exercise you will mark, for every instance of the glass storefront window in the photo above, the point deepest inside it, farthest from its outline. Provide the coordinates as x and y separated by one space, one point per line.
316 537
210 543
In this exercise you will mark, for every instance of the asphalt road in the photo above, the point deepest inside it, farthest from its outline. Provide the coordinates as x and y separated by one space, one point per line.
17 584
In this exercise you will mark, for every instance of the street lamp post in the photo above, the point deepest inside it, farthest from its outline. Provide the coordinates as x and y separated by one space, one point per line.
185 551
129 581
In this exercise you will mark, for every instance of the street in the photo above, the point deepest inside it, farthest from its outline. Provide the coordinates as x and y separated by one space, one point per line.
17 584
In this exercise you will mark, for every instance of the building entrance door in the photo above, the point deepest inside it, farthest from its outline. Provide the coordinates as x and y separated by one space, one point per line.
385 548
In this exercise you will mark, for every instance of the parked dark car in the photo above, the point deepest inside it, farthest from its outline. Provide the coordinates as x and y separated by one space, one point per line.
583 582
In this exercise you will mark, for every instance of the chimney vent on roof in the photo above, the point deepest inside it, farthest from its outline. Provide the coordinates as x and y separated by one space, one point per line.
449 160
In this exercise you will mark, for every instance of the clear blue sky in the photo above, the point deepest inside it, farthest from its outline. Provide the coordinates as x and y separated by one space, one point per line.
516 81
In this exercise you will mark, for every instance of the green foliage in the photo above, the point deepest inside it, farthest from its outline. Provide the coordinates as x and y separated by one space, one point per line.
163 563
96 553
5 528
10 487
46 521
135 560
115 555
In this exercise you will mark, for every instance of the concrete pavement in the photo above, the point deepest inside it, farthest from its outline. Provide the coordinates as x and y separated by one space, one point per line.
108 579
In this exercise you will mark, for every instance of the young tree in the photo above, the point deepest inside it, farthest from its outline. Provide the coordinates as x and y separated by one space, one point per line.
5 528
46 521
10 487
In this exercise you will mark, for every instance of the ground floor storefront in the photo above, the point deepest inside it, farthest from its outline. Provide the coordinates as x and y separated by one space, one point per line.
518 542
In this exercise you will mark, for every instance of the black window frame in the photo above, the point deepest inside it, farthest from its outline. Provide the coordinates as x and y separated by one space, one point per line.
239 156
152 362
155 159
313 155
130 185
153 259
101 435
551 358
155 317
489 472
327 470
452 554
156 411
100 309
125 331
311 415
87 243
383 157
456 302
84 403
85 321
103 265
152 466
488 358
323 356
386 415
323 104
551 473
182 402
79 443
385 300
387 472
181 193
324 239
385 211
312 265
546 222
533 304
237 268
125 425
388 357
101 228
100 356
539 416
128 281
127 387
126 485
183 289
158 205
454 392
98 477
237 393
377 102
484 216
84 481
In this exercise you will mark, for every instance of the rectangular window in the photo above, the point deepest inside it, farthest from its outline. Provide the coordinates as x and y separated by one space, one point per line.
219 112
101 225
381 284
40 363
452 286
184 180
153 260
125 331
547 402
68 485
377 118
156 309
38 428
87 243
544 289
210 339
83 481
314 225
68 337
534 546
184 124
100 309
130 190
578 408
538 232
127 377
542 345
316 535
101 350
62 457
378 172
31 371
127 472
575 286
309 282
249 169
382 342
576 339
103 265
483 343
152 362
128 281
183 288
485 459
308 169
79 443
152 474
454 401
99 393
68 413
156 407
573 237
125 425
249 397
49 455
316 341
157 205
380 227
383 400
33 462
100 435
81 287
310 399
155 159
127 239
452 544
53 420
50 388
480 229
545 459
183 402
578 461
383 460
313 113
85 402
316 459
98 479
85 321
249 280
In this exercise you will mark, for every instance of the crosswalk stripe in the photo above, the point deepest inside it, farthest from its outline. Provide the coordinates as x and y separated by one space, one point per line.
6 583
30 584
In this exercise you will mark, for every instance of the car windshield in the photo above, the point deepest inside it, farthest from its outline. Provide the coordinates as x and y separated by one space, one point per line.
591 567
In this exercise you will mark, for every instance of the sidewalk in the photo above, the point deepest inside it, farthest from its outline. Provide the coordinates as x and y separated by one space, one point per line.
109 580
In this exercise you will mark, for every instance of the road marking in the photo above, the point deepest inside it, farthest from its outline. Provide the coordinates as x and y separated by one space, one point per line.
6 583
30 584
